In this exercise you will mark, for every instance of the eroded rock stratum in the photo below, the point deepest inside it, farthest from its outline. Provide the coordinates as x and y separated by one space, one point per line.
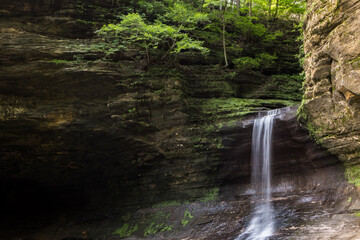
75 127
331 104
80 132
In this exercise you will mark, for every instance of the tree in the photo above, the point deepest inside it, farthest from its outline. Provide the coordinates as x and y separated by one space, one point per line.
276 8
221 13
223 34
132 31
250 8
270 2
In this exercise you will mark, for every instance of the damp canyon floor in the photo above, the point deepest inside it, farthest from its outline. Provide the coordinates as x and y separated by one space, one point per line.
303 215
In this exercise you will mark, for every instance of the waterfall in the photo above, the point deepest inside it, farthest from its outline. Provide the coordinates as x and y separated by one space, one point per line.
261 225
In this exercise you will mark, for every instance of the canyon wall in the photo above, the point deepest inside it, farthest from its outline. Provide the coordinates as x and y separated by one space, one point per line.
331 104
79 130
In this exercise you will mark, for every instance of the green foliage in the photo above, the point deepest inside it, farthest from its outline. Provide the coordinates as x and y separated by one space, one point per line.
271 37
211 195
355 62
155 228
157 223
167 204
126 217
212 4
187 217
284 86
247 26
154 10
247 63
292 9
160 28
183 14
122 231
352 174
189 43
286 8
125 231
60 61
132 31
224 110
266 59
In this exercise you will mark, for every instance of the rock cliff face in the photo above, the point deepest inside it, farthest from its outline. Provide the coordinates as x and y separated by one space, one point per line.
297 163
75 128
331 105
77 131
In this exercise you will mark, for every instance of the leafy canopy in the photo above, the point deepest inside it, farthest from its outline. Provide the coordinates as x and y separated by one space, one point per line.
172 26
133 31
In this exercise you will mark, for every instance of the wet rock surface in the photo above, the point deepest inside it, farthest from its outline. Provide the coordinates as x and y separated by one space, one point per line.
315 202
311 214
295 154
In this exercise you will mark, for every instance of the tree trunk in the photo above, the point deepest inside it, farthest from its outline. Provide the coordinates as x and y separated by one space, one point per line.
223 34
270 2
250 7
238 5
276 9
224 43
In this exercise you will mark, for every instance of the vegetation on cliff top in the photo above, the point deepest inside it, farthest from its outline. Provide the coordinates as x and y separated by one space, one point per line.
242 33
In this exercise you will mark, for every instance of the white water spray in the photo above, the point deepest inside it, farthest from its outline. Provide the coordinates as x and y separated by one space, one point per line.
261 225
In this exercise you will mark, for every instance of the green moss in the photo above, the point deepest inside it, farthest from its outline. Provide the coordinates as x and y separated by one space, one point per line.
284 86
354 60
125 231
167 204
60 61
155 228
352 174
303 118
216 109
126 217
349 200
157 222
187 217
207 118
357 214
167 228
211 195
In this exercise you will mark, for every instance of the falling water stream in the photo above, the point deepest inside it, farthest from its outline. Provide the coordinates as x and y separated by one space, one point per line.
261 225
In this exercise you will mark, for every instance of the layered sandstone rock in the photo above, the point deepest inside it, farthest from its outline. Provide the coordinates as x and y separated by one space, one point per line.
77 130
331 105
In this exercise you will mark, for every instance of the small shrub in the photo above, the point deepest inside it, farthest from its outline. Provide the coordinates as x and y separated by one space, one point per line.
246 63
211 195
124 231
352 174
187 218
59 61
